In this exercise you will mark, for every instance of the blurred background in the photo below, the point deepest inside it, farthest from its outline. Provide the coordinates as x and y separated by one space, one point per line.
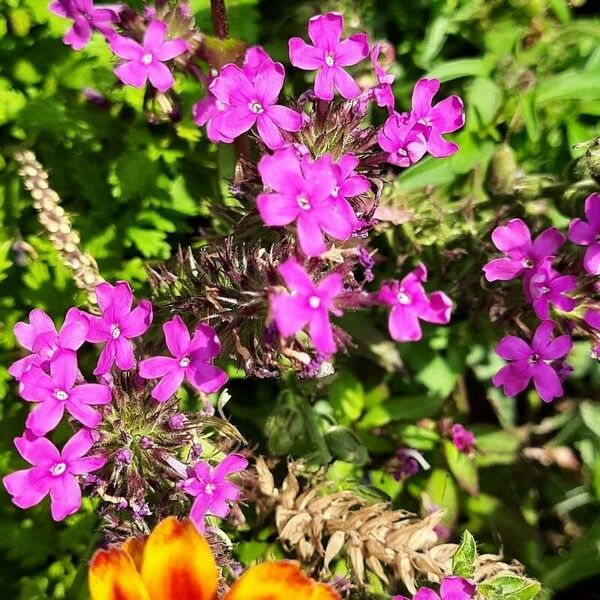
138 184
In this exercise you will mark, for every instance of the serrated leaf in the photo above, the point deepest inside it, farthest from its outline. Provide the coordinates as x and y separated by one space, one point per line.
463 561
509 587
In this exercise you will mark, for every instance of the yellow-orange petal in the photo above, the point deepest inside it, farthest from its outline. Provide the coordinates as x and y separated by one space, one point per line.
135 548
113 576
178 563
278 580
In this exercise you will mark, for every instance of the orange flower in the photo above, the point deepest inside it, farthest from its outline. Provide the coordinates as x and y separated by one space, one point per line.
176 563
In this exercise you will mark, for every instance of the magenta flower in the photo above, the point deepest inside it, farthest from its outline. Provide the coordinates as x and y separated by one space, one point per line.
40 337
86 17
384 96
303 191
405 141
451 588
145 61
251 100
57 392
350 184
446 116
522 256
532 362
329 55
117 325
547 286
52 473
588 234
192 360
410 303
212 490
205 112
592 318
462 438
307 303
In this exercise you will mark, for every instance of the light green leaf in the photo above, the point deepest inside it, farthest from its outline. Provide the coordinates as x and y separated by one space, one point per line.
509 587
462 467
463 561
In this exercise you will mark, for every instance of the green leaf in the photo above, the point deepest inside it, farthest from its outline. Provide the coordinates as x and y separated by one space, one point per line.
509 587
462 467
347 397
463 561
462 67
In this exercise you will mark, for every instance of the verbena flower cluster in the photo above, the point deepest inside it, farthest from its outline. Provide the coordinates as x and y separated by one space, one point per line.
559 286
132 447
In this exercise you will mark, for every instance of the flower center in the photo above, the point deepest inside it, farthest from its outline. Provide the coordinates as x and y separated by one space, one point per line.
58 469
115 331
147 58
329 60
256 107
209 488
425 121
527 263
61 395
335 191
314 301
184 362
403 297
303 202
534 358
402 152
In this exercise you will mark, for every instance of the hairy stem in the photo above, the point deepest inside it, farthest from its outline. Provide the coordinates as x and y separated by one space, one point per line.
219 17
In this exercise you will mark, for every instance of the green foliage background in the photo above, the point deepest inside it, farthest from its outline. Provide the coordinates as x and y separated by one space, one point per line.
529 71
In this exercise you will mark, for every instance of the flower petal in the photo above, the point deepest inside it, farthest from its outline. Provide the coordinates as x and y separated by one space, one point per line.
232 463
170 49
178 563
448 115
91 393
269 132
64 370
206 377
324 83
177 336
547 382
344 83
74 330
39 323
276 209
38 451
126 48
160 76
133 73
168 385
592 210
457 588
157 366
423 93
325 31
78 445
403 324
304 56
283 579
285 117
26 488
321 332
310 236
65 496
113 576
45 417
512 347
124 354
352 50
107 358
581 232
289 313
546 244
205 344
84 413
155 36
502 269
591 259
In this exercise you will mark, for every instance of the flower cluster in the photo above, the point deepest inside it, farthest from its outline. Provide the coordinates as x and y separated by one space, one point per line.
130 437
559 301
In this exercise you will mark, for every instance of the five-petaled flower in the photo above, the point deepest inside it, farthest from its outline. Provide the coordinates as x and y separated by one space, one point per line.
329 55
546 287
451 588
53 472
533 361
175 562
40 337
86 17
405 141
307 192
410 302
445 117
307 303
522 256
191 360
251 99
57 392
117 325
211 489
588 234
145 61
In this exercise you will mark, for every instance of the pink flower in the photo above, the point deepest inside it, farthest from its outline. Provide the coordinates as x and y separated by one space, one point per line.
145 60
329 55
86 17
192 360
303 191
446 116
547 286
451 588
307 303
462 438
41 338
212 490
250 98
57 392
592 318
350 184
117 325
205 112
384 96
532 362
410 303
405 141
522 256
588 234
53 473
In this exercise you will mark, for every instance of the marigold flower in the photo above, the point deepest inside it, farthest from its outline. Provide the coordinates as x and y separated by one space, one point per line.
533 361
588 234
145 61
176 563
53 472
191 360
329 55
